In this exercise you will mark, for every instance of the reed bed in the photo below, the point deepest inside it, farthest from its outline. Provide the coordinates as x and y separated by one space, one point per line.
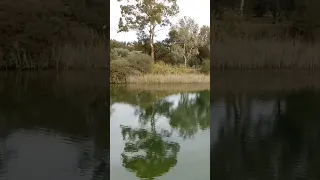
171 78
59 57
265 54
166 87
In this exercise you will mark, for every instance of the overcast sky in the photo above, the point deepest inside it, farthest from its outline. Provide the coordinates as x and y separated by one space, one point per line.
197 9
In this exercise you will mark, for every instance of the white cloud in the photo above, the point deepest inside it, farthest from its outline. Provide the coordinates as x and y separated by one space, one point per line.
199 10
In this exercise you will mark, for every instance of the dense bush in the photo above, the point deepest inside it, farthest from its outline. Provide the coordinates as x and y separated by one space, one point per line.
125 63
139 61
173 58
161 68
205 68
120 70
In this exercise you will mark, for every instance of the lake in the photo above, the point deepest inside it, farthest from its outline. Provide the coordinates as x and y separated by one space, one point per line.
160 132
265 125
54 125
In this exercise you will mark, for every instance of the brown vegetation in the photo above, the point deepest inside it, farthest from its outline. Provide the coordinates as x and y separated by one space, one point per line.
275 34
166 87
53 34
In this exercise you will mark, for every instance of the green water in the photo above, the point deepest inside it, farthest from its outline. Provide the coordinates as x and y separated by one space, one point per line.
161 134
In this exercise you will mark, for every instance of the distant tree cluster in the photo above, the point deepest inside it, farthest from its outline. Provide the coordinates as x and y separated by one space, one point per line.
301 15
31 29
186 44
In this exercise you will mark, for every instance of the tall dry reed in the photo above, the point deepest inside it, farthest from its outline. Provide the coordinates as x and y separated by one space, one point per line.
262 54
89 55
166 79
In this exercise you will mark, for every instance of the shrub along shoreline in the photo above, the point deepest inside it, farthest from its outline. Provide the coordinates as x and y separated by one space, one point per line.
134 67
159 73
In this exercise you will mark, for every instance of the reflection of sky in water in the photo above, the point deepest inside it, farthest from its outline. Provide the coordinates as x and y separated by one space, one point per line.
176 97
193 158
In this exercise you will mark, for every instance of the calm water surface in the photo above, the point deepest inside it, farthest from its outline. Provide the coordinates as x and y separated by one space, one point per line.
267 132
54 126
159 134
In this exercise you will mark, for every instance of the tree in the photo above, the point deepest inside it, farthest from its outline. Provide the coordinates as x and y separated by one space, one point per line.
146 15
187 31
204 36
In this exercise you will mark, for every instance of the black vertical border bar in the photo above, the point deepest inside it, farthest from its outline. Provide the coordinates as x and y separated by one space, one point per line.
108 81
211 76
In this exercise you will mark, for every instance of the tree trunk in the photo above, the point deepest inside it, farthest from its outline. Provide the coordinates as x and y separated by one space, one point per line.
152 50
151 32
184 56
241 7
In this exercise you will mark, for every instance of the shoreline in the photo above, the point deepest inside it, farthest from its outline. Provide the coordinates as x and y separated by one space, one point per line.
163 87
168 79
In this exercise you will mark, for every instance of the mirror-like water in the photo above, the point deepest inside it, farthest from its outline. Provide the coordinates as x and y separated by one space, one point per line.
265 127
160 133
54 126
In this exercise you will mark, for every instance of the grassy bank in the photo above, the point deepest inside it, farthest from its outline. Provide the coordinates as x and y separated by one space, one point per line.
165 87
123 72
171 78
162 73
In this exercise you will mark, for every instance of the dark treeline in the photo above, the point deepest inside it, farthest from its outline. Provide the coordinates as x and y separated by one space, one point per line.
300 17
265 34
53 33
165 50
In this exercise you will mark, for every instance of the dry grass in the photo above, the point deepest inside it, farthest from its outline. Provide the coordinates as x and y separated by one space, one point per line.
164 79
168 87
82 56
161 73
64 57
249 54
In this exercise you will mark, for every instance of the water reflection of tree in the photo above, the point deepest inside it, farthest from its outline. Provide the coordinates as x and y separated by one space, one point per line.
148 152
191 114
289 150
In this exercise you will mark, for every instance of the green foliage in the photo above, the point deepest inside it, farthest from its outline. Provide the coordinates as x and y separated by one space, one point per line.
138 15
139 61
120 52
161 51
162 68
182 43
119 71
205 68
125 63
145 16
